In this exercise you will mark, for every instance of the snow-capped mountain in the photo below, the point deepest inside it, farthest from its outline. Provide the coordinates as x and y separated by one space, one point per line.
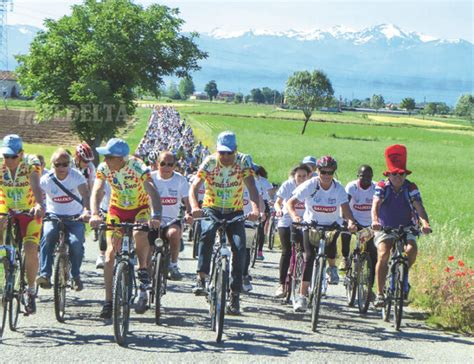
381 59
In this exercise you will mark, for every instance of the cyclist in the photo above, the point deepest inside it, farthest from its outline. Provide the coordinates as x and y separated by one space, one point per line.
298 175
360 193
397 201
262 189
324 200
84 161
173 189
311 162
20 190
131 190
225 173
152 158
67 196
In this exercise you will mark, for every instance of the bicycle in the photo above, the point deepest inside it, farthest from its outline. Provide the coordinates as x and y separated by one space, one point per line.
124 282
358 281
12 285
254 246
61 266
295 272
196 235
273 230
318 285
218 287
159 273
396 286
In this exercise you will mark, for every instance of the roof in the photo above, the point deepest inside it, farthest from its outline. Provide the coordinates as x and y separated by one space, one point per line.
7 75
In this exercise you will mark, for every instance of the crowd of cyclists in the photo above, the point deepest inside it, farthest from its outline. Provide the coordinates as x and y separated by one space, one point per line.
170 174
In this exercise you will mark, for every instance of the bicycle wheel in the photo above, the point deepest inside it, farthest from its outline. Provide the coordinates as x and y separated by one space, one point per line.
121 302
196 236
14 308
4 267
350 280
212 298
386 309
60 281
254 250
364 282
398 294
271 235
221 295
157 286
297 276
318 275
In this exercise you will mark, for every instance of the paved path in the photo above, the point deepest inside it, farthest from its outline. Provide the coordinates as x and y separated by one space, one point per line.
267 329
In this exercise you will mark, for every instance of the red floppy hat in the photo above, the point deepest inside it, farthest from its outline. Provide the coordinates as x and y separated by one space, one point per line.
396 159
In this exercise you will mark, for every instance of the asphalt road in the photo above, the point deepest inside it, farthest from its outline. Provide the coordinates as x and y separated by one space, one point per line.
267 329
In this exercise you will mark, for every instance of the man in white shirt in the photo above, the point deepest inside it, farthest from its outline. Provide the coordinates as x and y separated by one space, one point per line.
173 189
65 205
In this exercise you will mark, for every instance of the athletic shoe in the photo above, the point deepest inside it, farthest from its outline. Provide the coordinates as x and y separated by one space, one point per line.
44 282
200 287
77 284
344 265
333 277
106 312
246 285
99 263
301 304
260 256
175 274
280 292
30 298
379 301
233 306
142 303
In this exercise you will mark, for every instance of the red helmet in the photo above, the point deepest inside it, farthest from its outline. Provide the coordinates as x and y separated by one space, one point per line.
84 152
327 162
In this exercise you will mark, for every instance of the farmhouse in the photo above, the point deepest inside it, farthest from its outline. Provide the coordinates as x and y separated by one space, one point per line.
199 95
8 84
225 96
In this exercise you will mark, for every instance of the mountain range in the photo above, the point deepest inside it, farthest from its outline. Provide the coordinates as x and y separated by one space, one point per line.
381 59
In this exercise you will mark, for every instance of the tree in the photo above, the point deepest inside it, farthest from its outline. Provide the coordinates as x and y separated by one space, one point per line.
268 95
173 92
90 64
186 87
238 98
257 96
365 103
430 108
377 102
247 98
465 106
408 104
442 108
307 91
211 89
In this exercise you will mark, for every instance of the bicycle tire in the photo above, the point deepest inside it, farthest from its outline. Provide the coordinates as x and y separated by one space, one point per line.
364 282
19 286
60 281
212 294
318 269
196 236
121 302
254 250
4 272
297 276
399 295
386 309
271 235
350 280
221 295
157 285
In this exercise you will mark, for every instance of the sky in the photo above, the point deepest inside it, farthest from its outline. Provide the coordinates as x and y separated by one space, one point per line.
448 19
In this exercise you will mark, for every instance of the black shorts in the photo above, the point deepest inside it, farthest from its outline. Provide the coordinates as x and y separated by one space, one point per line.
153 234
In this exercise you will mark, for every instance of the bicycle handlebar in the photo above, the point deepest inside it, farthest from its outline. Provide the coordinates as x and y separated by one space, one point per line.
63 219
316 226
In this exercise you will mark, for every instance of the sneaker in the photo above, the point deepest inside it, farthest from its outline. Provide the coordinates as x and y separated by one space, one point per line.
371 296
200 287
100 262
260 256
77 284
344 265
280 292
106 312
246 285
301 304
379 301
174 274
333 276
30 300
44 282
233 306
142 303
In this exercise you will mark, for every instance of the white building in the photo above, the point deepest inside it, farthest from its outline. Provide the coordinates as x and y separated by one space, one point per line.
8 84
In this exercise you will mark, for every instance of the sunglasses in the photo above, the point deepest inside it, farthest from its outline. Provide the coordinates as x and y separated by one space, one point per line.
10 156
162 164
329 173
64 165
397 174
226 153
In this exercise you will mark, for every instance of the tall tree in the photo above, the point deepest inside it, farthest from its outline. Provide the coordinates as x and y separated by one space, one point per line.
211 89
268 95
238 98
307 91
186 87
377 102
257 96
465 106
91 62
408 104
173 92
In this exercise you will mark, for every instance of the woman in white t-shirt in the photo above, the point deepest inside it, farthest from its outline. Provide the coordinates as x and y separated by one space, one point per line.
298 175
324 199
62 204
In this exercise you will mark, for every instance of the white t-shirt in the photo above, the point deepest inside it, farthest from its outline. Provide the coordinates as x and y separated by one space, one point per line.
247 205
202 188
266 186
171 191
261 189
285 193
361 202
57 201
104 204
322 206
